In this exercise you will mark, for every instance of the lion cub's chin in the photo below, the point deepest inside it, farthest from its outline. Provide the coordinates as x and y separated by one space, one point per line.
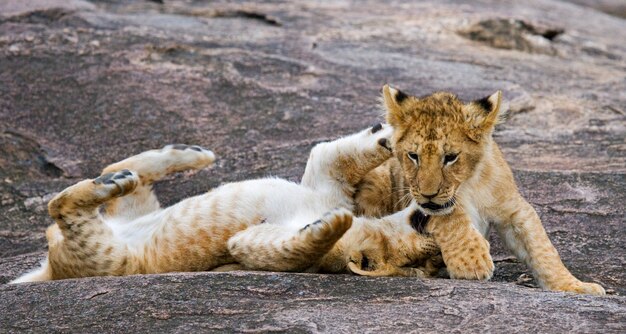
439 212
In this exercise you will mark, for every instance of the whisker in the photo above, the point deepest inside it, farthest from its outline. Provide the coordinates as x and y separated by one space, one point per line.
404 200
392 193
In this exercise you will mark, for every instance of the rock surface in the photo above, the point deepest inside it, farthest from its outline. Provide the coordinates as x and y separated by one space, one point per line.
83 84
298 303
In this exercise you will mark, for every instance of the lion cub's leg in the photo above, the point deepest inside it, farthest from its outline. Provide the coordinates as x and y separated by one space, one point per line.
229 267
83 245
339 165
272 247
383 191
523 233
464 249
152 166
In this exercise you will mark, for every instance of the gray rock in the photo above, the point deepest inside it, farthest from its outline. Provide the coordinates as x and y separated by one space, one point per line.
240 302
612 7
83 84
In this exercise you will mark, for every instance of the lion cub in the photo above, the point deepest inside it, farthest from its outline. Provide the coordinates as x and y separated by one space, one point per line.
114 225
447 161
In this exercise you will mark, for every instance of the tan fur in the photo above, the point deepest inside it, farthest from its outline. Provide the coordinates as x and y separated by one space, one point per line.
382 247
113 225
462 194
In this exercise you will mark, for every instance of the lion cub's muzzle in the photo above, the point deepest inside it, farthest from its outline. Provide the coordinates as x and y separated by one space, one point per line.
433 208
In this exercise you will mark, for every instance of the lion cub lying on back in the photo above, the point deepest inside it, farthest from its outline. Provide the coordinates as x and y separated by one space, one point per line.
113 225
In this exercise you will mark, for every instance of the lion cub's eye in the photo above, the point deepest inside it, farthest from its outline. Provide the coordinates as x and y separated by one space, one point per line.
450 158
413 156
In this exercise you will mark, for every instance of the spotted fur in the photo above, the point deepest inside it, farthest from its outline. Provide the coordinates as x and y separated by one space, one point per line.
114 225
448 163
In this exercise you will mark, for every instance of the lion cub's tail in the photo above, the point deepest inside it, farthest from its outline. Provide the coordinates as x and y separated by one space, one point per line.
40 274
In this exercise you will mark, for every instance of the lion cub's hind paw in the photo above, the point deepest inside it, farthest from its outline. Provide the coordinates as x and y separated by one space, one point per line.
116 184
335 222
338 219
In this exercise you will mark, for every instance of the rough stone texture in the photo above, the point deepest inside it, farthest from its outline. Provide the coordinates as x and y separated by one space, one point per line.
612 7
83 84
297 303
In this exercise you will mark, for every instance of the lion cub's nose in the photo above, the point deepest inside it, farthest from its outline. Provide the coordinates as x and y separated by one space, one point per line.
430 196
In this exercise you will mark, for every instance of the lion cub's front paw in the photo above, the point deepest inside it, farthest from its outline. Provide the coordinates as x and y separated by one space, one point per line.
187 157
382 134
470 265
581 287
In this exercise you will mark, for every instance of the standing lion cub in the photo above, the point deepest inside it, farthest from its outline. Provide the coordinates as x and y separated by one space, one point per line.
114 225
448 162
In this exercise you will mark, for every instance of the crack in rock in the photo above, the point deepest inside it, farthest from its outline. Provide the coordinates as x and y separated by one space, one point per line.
44 16
238 13
250 15
514 34
26 156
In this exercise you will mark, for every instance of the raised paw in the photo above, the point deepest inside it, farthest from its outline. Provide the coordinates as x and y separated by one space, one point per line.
384 137
196 148
334 222
339 218
317 222
377 127
384 141
153 165
116 183
378 136
184 157
183 147
89 194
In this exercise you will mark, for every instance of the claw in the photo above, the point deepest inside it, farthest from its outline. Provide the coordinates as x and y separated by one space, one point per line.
377 127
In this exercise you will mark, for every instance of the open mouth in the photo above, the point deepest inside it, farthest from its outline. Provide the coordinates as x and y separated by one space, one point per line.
437 207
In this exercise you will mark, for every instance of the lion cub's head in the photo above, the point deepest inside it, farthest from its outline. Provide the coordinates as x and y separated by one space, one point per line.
439 142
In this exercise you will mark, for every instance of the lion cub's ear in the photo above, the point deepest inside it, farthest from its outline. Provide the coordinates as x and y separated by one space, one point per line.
392 101
481 116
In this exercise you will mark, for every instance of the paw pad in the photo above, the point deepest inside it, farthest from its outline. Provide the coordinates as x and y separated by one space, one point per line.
182 147
179 146
104 179
377 127
309 225
123 181
109 178
384 143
